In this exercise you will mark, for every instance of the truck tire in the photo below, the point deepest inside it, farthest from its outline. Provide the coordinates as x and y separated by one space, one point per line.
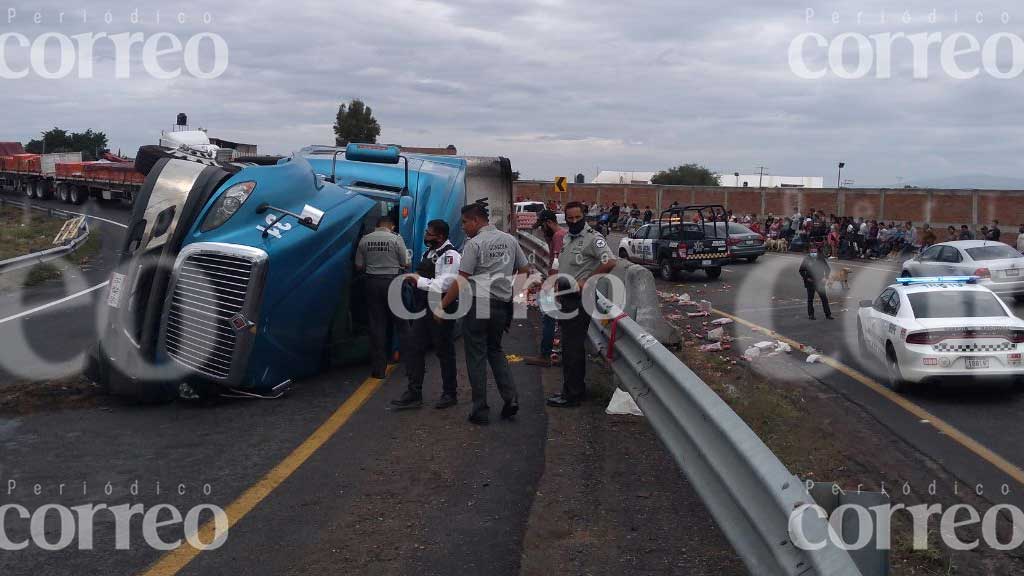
259 160
43 189
62 193
77 194
713 273
30 190
665 270
147 157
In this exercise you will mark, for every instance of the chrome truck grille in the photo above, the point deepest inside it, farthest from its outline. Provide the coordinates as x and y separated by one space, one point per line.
214 298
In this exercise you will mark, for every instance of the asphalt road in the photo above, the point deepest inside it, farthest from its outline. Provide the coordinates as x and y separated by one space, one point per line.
47 328
770 294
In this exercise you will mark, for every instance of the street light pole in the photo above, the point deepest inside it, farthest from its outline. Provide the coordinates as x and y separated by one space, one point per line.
839 179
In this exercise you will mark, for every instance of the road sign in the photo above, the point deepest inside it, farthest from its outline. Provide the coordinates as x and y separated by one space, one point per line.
560 183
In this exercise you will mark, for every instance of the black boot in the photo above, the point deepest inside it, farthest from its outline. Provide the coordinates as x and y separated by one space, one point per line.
408 400
446 401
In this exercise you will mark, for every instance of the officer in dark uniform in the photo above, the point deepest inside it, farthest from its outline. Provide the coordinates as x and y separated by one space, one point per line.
382 255
435 273
584 255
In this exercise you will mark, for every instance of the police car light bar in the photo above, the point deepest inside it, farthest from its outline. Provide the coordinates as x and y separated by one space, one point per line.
939 280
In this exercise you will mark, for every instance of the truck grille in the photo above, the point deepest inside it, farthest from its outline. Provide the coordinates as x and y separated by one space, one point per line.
210 289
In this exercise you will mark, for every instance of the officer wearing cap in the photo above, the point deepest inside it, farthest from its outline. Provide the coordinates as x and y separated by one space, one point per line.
382 255
547 221
585 255
490 258
436 272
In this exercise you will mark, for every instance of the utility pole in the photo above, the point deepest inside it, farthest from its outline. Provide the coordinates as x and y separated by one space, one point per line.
760 179
839 179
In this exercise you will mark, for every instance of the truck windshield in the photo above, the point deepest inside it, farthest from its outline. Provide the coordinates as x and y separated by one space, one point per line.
955 304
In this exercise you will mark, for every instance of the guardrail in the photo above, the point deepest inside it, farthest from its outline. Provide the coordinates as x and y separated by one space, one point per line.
536 250
747 489
42 256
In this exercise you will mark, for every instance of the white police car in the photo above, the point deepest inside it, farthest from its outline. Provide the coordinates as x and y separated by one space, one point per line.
931 329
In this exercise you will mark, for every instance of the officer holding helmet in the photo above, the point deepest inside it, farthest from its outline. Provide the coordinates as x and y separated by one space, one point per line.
585 254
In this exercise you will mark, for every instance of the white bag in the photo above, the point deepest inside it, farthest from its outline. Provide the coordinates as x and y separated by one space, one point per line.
622 403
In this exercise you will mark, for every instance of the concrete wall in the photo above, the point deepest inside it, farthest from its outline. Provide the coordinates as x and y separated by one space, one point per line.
938 207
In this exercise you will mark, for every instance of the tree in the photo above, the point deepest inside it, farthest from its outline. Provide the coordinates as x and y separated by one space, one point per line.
687 174
355 123
91 144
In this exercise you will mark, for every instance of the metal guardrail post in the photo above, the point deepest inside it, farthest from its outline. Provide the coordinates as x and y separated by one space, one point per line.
746 488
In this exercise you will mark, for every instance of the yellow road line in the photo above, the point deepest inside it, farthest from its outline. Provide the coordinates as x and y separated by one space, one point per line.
175 560
939 424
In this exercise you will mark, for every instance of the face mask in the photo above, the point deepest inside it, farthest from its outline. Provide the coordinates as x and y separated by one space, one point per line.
577 227
432 244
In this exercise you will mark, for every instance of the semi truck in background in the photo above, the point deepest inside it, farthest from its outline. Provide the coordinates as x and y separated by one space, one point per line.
239 277
66 177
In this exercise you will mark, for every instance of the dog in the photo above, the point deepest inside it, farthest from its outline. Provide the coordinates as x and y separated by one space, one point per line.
777 245
841 277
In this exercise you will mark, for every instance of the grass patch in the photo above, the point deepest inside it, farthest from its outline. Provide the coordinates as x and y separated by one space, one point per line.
26 231
41 273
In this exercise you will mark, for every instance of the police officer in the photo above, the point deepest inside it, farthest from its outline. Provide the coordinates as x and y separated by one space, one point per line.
436 272
584 255
382 255
489 260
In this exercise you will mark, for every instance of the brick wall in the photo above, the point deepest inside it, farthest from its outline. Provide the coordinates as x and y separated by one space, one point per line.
939 207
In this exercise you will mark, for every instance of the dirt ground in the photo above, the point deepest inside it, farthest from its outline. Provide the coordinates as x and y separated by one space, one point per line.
841 443
26 231
612 500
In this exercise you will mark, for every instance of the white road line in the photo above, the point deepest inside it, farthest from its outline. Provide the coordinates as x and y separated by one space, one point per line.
93 217
75 295
54 303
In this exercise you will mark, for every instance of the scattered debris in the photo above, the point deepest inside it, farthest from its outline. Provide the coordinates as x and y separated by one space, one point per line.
814 359
705 306
697 314
722 322
716 335
513 358
766 345
783 347
752 354
717 346
622 403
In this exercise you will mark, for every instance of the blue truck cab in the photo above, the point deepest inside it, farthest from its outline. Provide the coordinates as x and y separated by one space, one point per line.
239 277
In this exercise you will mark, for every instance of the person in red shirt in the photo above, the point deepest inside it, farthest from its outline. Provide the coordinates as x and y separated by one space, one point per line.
555 236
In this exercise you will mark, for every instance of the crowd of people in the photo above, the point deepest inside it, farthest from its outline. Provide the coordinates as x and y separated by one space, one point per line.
837 236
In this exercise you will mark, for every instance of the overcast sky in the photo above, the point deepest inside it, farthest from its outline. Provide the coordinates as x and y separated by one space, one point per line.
558 86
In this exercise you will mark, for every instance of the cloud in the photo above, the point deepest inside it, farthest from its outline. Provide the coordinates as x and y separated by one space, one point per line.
559 86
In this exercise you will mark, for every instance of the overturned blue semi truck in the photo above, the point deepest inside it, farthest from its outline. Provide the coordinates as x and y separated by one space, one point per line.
240 278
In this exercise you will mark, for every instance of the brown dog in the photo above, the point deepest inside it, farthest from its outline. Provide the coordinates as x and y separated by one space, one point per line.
841 277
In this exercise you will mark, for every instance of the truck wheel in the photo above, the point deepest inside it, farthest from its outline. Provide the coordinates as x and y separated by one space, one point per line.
666 270
77 194
62 193
713 273
43 189
30 190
